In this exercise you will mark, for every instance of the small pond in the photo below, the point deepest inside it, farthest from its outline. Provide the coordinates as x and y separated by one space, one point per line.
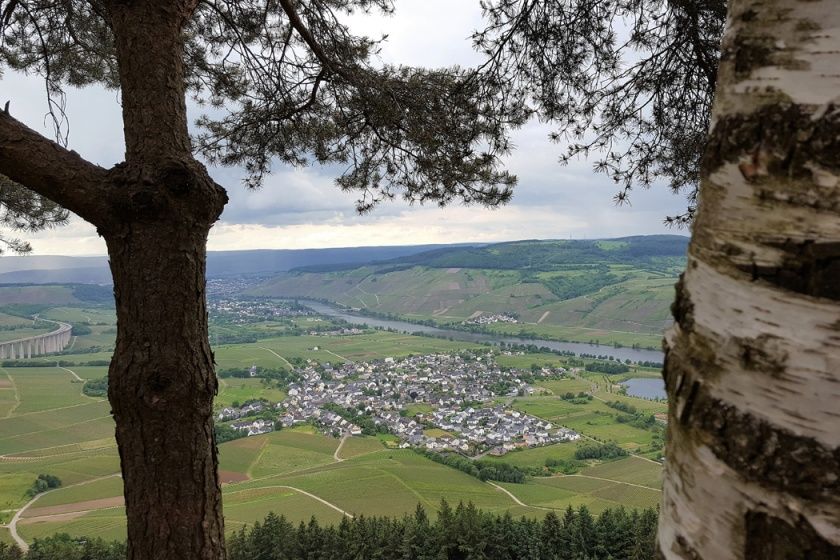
646 387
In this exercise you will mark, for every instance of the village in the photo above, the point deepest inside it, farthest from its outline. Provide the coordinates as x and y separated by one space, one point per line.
240 311
439 402
490 319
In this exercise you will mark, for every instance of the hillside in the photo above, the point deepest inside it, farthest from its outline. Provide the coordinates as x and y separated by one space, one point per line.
612 291
40 269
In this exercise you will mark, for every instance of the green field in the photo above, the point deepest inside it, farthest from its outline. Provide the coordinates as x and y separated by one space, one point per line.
563 386
48 426
373 346
85 315
537 456
42 389
241 390
418 408
290 451
98 489
356 446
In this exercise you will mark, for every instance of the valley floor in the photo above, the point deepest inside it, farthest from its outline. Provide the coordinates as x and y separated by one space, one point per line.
48 425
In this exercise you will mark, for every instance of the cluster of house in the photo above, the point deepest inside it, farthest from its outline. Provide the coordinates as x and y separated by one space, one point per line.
490 319
495 429
237 310
475 431
337 332
454 385
248 409
231 286
336 425
254 427
245 417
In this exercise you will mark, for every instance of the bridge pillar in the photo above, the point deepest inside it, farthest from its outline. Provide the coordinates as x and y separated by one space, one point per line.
28 349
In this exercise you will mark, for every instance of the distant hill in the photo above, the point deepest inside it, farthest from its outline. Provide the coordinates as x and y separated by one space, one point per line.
537 255
82 275
40 269
221 263
29 295
616 290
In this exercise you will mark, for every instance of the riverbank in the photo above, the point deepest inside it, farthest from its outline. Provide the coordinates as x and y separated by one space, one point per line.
635 355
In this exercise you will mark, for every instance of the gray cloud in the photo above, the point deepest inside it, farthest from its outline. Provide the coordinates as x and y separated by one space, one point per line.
302 207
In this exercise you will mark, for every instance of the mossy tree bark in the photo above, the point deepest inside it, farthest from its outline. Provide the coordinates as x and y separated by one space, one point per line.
753 362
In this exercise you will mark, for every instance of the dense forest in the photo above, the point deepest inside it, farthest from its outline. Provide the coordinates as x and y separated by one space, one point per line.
460 533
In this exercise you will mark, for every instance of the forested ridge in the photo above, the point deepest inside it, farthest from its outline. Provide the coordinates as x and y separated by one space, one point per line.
537 255
460 533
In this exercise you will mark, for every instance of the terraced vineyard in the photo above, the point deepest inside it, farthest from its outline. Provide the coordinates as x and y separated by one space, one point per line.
606 291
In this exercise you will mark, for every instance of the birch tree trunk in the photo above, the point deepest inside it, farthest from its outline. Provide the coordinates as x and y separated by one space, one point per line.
753 362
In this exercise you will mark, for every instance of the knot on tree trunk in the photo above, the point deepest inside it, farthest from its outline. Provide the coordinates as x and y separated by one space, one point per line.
173 189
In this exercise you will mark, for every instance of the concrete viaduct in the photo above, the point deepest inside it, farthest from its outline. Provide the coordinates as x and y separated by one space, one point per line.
54 341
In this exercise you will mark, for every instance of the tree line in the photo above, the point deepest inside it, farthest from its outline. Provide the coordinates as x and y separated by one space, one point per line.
460 533
483 470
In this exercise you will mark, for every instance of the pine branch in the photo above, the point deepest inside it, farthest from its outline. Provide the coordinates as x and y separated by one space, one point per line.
50 170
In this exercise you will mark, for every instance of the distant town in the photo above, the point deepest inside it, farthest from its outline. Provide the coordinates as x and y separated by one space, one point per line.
438 402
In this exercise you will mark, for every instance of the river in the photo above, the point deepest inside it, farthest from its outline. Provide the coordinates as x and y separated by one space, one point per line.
577 347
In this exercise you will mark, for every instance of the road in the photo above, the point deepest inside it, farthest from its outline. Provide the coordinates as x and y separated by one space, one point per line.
285 361
305 493
24 546
348 360
13 523
515 499
71 372
338 449
608 480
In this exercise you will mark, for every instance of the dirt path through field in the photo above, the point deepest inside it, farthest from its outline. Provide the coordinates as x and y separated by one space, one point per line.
516 500
73 373
22 544
348 360
75 507
17 393
607 480
285 361
305 493
544 317
338 449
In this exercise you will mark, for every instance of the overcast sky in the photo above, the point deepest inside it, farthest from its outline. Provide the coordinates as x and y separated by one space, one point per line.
300 208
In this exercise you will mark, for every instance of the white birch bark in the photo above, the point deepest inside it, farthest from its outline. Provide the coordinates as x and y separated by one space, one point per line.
753 361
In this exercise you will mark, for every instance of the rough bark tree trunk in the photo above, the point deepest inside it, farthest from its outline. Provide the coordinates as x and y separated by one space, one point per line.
753 362
162 379
161 388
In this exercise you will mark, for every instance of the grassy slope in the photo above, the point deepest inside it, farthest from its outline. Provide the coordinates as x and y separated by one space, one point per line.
634 311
